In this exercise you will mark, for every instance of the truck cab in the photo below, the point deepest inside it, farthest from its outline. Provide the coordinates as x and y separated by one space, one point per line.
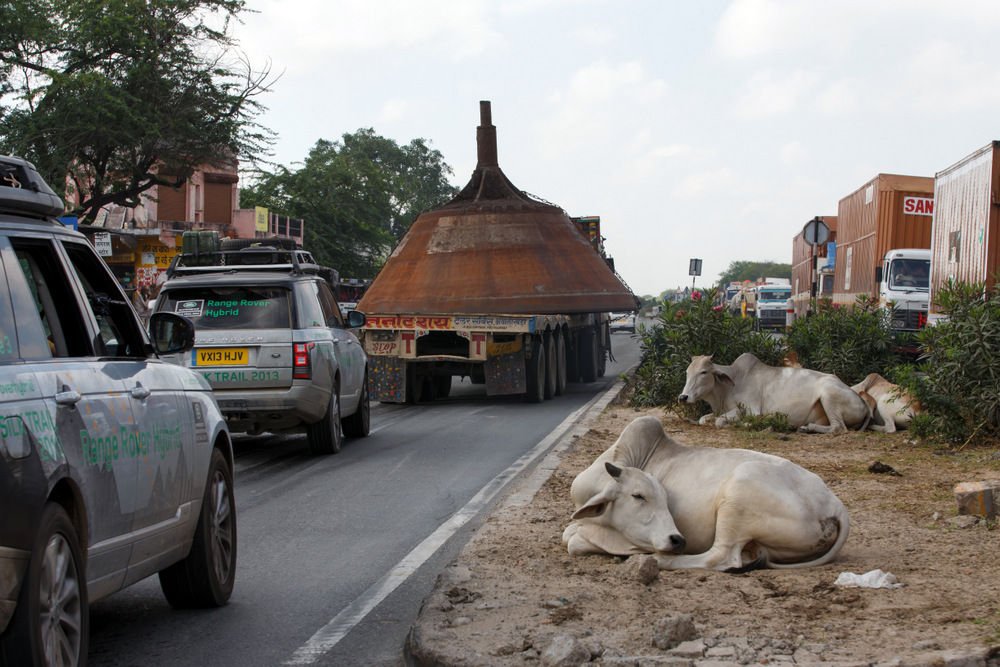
772 301
904 287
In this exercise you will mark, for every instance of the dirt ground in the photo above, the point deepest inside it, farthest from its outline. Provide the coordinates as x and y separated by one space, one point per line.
515 596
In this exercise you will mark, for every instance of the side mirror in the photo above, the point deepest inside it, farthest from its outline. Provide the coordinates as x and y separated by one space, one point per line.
171 333
878 274
355 319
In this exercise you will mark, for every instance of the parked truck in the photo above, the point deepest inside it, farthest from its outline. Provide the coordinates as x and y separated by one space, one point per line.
495 286
884 225
772 301
966 243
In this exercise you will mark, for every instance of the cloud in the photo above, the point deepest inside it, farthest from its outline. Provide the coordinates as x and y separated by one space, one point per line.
696 186
393 110
770 93
793 153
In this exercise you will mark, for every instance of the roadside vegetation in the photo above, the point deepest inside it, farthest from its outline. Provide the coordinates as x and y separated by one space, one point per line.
952 368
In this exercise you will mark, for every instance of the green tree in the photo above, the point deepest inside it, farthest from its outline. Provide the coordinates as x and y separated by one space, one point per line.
358 196
747 270
116 96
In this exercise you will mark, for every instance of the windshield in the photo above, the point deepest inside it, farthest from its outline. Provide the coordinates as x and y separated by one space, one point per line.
241 307
774 294
909 274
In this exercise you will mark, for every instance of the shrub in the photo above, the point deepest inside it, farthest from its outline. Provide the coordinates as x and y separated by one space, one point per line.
958 384
848 342
688 328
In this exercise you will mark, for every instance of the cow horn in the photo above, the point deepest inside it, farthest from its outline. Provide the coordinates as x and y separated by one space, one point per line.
612 469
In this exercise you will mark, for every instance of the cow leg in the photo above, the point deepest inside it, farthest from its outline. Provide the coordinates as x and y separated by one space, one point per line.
720 557
833 416
582 539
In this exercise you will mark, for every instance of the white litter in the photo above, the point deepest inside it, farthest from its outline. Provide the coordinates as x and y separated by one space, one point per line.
873 579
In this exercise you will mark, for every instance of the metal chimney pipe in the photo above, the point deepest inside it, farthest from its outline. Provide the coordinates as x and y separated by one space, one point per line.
486 137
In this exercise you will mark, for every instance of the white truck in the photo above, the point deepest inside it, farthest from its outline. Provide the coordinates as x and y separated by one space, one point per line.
904 287
772 301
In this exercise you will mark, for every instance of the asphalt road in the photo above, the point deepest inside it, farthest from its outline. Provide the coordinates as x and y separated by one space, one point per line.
336 553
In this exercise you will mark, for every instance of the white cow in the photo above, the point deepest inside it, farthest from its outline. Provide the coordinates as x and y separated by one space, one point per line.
694 507
892 406
814 402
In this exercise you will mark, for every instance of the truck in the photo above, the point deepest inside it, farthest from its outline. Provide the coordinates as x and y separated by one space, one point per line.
812 269
496 286
966 244
772 300
885 221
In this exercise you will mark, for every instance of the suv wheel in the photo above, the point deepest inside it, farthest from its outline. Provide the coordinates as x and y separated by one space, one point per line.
50 624
325 436
358 424
205 577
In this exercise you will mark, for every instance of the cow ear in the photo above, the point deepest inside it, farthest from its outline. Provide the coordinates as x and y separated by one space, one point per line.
725 379
597 504
612 469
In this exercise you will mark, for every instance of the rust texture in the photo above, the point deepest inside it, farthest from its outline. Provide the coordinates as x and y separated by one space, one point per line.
495 250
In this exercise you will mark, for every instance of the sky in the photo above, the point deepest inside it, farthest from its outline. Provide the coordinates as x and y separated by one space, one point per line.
704 129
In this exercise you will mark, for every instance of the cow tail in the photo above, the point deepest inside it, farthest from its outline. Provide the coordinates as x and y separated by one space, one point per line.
843 529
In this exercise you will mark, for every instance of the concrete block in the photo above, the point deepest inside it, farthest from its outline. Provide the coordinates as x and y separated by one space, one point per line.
978 498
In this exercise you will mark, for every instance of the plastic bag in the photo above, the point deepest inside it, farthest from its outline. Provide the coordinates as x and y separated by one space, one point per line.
873 579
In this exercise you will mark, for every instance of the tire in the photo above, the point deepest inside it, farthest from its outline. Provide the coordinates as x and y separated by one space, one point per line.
551 366
561 373
602 354
326 436
205 577
588 355
535 373
41 626
415 385
442 386
358 425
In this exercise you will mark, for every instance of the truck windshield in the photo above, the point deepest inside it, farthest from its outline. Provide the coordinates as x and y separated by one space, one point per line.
774 294
909 274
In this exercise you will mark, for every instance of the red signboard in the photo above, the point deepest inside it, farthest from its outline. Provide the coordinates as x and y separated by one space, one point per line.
918 205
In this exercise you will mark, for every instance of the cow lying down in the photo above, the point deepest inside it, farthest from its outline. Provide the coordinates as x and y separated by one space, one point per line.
814 402
892 406
700 507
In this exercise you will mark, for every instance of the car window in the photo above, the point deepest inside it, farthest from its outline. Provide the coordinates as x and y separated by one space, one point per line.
229 307
119 332
8 332
309 311
54 300
328 303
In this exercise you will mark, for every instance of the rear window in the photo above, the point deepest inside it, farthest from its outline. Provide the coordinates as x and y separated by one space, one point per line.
230 307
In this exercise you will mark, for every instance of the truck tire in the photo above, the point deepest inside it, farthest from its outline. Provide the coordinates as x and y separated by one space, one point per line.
572 340
560 362
551 366
442 386
51 620
414 384
535 372
206 575
587 357
604 351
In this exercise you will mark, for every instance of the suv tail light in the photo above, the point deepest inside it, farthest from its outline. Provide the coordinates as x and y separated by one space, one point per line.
301 364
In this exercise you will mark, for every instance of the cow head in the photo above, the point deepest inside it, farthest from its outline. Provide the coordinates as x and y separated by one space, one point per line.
634 503
702 377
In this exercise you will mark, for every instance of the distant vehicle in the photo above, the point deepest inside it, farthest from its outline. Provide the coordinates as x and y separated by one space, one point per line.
771 304
623 322
271 341
114 465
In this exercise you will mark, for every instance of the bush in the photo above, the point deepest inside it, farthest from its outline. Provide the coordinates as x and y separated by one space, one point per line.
688 328
958 384
848 342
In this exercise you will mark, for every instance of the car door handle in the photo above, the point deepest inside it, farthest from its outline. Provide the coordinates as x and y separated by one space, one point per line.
140 392
67 396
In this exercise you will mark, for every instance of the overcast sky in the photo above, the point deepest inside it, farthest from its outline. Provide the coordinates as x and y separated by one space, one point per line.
708 129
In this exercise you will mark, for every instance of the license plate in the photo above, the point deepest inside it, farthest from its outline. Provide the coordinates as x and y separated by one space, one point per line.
221 356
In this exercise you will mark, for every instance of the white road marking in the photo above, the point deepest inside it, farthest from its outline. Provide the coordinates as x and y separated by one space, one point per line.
337 628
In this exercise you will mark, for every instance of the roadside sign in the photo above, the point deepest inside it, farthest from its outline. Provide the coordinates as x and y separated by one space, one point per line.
102 242
816 232
694 267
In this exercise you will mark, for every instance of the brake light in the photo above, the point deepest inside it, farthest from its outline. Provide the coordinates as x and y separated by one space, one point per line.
301 364
921 320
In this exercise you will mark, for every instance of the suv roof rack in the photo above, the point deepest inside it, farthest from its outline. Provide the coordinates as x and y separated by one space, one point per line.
23 190
202 254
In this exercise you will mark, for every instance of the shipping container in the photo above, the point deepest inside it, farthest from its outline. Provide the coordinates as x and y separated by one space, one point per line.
890 211
966 235
812 263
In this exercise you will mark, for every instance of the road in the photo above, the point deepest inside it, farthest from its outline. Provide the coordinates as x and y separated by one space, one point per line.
336 553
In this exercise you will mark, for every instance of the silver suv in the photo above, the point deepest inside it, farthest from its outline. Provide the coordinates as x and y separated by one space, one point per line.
271 341
113 464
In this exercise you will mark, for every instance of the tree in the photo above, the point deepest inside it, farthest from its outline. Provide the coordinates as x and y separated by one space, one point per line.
747 270
358 196
116 97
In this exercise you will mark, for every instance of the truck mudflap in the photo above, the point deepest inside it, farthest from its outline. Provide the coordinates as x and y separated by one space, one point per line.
387 379
505 374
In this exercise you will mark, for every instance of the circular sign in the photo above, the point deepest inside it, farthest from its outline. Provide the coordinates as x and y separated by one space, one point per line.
816 232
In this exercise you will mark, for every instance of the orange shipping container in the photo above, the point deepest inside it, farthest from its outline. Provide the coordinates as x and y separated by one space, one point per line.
890 211
966 226
805 259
